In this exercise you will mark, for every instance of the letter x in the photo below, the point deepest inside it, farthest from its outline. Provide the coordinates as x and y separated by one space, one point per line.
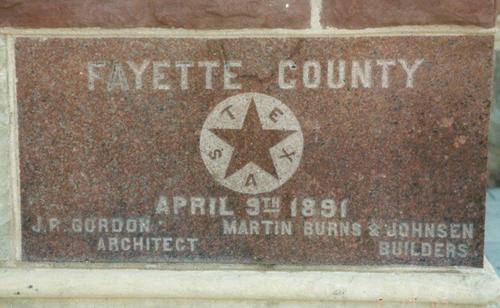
287 155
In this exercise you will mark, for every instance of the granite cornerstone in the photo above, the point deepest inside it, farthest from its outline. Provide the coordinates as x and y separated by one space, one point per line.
251 152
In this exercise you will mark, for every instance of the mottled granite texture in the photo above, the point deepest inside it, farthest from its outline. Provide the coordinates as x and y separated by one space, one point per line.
357 14
391 150
190 14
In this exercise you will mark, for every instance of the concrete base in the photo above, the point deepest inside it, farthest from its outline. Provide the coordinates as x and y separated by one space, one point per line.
163 303
350 287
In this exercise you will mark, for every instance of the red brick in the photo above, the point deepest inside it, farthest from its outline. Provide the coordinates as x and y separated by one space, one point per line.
357 14
190 14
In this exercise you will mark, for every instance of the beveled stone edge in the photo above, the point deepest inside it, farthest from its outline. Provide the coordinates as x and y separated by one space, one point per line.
462 287
8 152
220 266
433 30
5 204
14 152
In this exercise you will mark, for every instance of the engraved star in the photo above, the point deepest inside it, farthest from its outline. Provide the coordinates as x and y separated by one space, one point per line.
252 143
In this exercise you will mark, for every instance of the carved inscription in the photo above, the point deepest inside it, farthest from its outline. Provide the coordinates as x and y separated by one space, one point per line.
334 74
295 151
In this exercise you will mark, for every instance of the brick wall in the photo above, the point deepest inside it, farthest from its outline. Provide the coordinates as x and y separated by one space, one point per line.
238 14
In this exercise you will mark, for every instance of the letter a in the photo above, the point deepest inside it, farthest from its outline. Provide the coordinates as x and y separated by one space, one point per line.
251 180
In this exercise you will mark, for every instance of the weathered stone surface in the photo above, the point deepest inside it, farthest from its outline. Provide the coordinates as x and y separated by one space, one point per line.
356 14
6 232
494 135
191 14
179 151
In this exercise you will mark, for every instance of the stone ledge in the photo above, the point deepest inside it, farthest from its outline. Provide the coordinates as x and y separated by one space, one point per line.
425 30
413 284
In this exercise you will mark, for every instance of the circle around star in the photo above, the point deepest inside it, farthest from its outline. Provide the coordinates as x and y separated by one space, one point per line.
251 143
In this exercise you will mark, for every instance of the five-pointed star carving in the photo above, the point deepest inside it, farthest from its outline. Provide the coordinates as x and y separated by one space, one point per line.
251 143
